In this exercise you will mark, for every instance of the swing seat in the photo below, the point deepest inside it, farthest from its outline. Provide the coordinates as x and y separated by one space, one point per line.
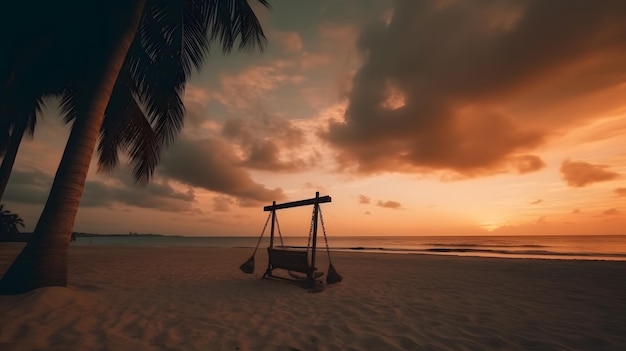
291 260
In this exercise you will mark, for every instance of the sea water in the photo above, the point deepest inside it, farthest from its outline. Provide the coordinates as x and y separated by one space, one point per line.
580 247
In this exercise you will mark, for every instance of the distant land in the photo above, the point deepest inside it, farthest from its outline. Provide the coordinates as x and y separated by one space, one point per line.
79 235
25 237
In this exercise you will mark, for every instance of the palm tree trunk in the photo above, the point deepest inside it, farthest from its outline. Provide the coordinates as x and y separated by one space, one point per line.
11 152
43 262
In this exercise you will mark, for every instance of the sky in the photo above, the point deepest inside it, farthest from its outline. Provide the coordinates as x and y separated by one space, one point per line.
433 117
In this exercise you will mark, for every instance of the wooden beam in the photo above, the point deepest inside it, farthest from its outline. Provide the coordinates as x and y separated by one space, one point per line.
319 200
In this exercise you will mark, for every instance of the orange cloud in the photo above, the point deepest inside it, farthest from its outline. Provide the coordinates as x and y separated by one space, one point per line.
472 106
536 202
364 199
527 163
578 174
394 205
620 191
611 212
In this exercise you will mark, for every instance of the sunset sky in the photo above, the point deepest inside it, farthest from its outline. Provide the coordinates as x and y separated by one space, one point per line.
440 117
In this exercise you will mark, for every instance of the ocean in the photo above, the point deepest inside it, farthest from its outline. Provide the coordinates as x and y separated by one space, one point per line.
579 247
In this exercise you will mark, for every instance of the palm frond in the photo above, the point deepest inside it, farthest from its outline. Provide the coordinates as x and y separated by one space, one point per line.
126 128
146 111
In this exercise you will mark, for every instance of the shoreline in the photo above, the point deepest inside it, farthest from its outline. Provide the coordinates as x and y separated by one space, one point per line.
132 298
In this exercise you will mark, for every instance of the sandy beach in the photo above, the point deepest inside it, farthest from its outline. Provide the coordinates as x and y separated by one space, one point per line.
197 299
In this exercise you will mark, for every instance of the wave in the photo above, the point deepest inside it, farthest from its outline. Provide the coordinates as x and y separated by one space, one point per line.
469 250
485 245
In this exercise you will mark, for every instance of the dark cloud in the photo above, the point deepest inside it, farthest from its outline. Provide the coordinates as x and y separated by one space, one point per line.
34 186
578 174
389 204
536 202
364 199
620 191
268 143
155 195
442 86
213 165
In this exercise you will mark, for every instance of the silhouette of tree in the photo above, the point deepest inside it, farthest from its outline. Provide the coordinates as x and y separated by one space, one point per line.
159 42
9 223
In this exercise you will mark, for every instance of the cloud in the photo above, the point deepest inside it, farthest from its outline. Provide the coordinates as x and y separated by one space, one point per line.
156 195
527 163
269 143
253 84
576 211
33 187
394 205
463 96
364 199
578 174
536 202
222 203
213 165
28 186
620 191
611 212
290 41
309 60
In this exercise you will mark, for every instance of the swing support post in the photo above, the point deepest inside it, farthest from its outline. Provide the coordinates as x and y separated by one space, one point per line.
314 242
273 224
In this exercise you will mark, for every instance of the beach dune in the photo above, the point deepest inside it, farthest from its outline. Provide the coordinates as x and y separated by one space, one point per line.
197 299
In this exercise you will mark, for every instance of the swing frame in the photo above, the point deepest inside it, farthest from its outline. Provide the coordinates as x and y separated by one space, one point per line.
293 259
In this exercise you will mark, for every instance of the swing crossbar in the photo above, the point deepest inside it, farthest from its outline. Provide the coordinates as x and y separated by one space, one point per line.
313 201
291 260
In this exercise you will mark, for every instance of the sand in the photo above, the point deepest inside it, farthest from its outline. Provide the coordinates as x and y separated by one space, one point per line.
197 299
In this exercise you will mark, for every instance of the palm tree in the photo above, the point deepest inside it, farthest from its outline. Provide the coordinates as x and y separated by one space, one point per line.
148 36
10 144
8 224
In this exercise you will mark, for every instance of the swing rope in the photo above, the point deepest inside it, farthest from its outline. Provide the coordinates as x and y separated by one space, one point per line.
325 238
248 266
280 235
332 276
262 233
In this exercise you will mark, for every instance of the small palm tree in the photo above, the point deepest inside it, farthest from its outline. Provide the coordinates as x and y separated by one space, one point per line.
160 42
9 223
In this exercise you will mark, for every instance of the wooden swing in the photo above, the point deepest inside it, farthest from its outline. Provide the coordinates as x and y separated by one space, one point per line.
295 260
